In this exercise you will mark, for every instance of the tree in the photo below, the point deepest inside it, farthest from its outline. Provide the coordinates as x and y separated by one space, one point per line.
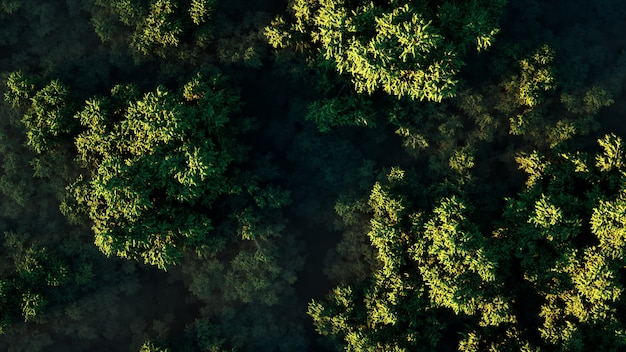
48 110
384 312
405 48
35 278
157 164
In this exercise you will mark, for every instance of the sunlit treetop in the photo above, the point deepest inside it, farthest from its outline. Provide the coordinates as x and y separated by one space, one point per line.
409 49
158 164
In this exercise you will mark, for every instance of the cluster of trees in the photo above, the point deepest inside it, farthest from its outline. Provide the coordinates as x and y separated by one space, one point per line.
173 164
155 28
545 275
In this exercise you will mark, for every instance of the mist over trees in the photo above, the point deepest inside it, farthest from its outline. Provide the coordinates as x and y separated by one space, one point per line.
333 175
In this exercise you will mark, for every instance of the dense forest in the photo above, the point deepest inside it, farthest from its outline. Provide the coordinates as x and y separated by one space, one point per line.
312 175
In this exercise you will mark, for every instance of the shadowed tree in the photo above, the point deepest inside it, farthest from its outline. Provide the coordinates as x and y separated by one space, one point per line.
157 27
47 111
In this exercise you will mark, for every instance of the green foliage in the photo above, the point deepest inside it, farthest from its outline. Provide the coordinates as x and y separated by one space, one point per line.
256 277
151 346
207 336
157 164
377 317
353 259
341 111
242 42
413 141
539 109
15 171
530 89
536 76
32 304
611 157
453 260
200 10
573 269
390 310
527 102
160 28
10 6
449 248
260 273
47 111
246 327
38 278
406 49
20 89
438 265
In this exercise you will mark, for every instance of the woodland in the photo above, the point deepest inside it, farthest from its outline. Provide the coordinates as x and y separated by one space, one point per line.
312 175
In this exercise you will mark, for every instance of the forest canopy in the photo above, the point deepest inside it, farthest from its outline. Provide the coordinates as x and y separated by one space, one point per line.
540 259
333 175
